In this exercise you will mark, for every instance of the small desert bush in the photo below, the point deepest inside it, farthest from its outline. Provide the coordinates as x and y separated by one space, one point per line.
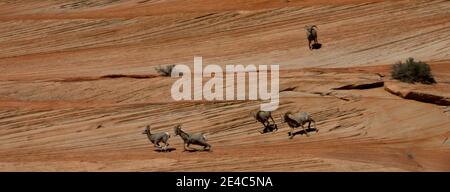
165 70
412 71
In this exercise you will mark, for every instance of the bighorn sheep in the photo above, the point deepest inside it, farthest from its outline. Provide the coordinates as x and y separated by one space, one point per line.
311 33
298 119
196 138
156 138
263 117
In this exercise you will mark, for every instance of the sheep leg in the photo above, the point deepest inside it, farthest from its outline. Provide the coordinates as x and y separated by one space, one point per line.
188 145
157 145
275 128
262 132
291 133
206 145
314 123
184 146
306 132
166 141
265 127
272 120
166 144
264 123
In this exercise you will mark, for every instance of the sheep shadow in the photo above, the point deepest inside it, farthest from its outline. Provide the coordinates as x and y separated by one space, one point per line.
169 149
269 129
191 150
302 132
316 46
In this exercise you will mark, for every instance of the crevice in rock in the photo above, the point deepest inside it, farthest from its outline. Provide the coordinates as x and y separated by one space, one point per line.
288 89
361 86
422 97
111 76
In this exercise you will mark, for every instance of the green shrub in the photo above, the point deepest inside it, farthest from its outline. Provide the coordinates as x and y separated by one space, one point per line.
412 71
165 70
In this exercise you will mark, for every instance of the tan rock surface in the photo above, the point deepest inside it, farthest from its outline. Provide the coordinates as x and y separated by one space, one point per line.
55 90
